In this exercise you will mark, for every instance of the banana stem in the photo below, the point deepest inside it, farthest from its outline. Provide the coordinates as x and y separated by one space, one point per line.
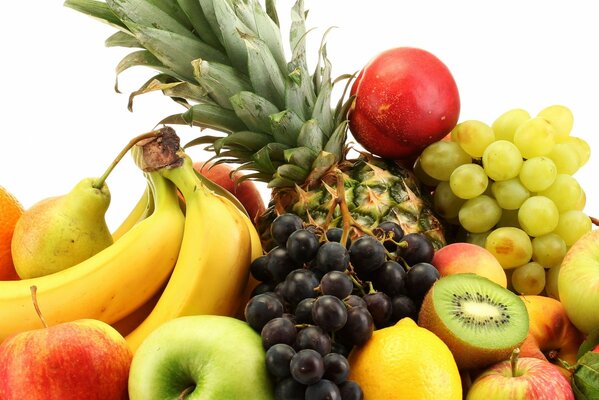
98 183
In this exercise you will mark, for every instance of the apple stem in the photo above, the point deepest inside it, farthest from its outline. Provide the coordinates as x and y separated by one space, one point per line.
186 392
98 183
33 289
514 361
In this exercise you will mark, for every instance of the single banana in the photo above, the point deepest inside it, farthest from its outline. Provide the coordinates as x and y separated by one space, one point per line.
213 266
109 285
142 209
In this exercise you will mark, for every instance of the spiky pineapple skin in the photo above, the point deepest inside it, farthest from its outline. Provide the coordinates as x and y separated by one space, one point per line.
375 191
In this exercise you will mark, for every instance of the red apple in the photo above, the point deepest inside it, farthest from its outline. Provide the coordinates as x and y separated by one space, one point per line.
463 257
84 359
406 99
245 191
523 378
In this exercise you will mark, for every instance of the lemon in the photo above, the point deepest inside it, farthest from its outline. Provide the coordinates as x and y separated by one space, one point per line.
405 361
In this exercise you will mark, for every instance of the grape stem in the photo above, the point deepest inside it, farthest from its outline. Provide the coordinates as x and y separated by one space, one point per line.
594 220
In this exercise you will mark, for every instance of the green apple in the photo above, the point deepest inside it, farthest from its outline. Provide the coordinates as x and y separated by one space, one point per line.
84 359
205 357
578 282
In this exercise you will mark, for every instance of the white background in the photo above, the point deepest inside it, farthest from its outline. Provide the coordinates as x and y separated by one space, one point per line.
62 120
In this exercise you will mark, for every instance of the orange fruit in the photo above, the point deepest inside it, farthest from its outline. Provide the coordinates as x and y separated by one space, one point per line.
405 361
10 211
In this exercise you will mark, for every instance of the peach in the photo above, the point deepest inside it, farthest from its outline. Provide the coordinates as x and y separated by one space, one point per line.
551 335
463 257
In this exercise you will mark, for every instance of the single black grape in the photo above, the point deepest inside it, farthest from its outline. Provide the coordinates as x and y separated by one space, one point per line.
419 279
323 390
331 256
329 313
416 248
403 307
336 367
278 330
313 337
335 234
279 264
303 311
307 366
278 358
366 254
379 306
283 226
302 246
353 300
392 233
290 389
262 287
336 283
259 270
350 390
262 308
299 284
341 348
390 278
357 329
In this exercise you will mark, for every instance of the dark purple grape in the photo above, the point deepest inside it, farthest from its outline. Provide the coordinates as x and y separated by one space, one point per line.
336 283
290 389
278 330
420 279
403 307
259 270
358 328
336 367
290 317
392 234
262 308
279 264
303 311
341 348
390 278
329 313
302 246
331 256
323 390
366 254
299 284
283 226
261 288
335 235
354 301
379 306
313 337
350 390
307 366
278 358
417 248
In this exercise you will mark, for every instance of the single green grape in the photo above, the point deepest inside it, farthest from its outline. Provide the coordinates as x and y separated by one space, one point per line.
479 214
502 160
445 202
538 215
529 279
565 157
535 137
510 246
565 192
538 173
509 218
507 123
439 159
468 181
510 194
561 118
549 250
422 176
572 225
582 148
473 137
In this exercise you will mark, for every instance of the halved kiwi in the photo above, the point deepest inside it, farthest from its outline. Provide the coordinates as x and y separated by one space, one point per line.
480 321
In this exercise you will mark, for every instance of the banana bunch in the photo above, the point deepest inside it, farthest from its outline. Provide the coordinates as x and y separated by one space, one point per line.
109 285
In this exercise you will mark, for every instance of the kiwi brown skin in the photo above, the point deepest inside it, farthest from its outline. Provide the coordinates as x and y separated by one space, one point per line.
466 355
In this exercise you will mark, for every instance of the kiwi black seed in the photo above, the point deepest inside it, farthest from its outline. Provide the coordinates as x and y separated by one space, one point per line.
480 321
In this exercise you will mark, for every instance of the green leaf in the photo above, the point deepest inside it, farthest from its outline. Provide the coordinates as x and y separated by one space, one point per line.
122 39
98 10
173 9
585 379
140 58
301 156
299 94
311 136
173 88
297 34
268 158
199 21
207 116
285 127
271 10
265 75
249 140
232 30
336 142
291 173
322 110
220 81
254 111
589 343
320 167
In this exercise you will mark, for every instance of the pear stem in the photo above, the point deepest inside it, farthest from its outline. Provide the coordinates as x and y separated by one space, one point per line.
98 183
514 361
33 289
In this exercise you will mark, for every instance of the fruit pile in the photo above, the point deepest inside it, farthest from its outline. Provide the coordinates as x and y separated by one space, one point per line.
446 260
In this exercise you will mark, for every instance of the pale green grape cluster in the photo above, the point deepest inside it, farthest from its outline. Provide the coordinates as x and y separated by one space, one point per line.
509 186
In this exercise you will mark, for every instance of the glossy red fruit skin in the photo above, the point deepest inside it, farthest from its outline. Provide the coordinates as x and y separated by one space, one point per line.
406 99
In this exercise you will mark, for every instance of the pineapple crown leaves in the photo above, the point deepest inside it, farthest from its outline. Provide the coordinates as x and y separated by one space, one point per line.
224 61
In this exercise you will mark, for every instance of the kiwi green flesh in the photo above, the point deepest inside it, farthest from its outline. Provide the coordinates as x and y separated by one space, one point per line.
480 312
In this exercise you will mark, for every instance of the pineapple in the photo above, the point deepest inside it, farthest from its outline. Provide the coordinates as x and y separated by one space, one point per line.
224 61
